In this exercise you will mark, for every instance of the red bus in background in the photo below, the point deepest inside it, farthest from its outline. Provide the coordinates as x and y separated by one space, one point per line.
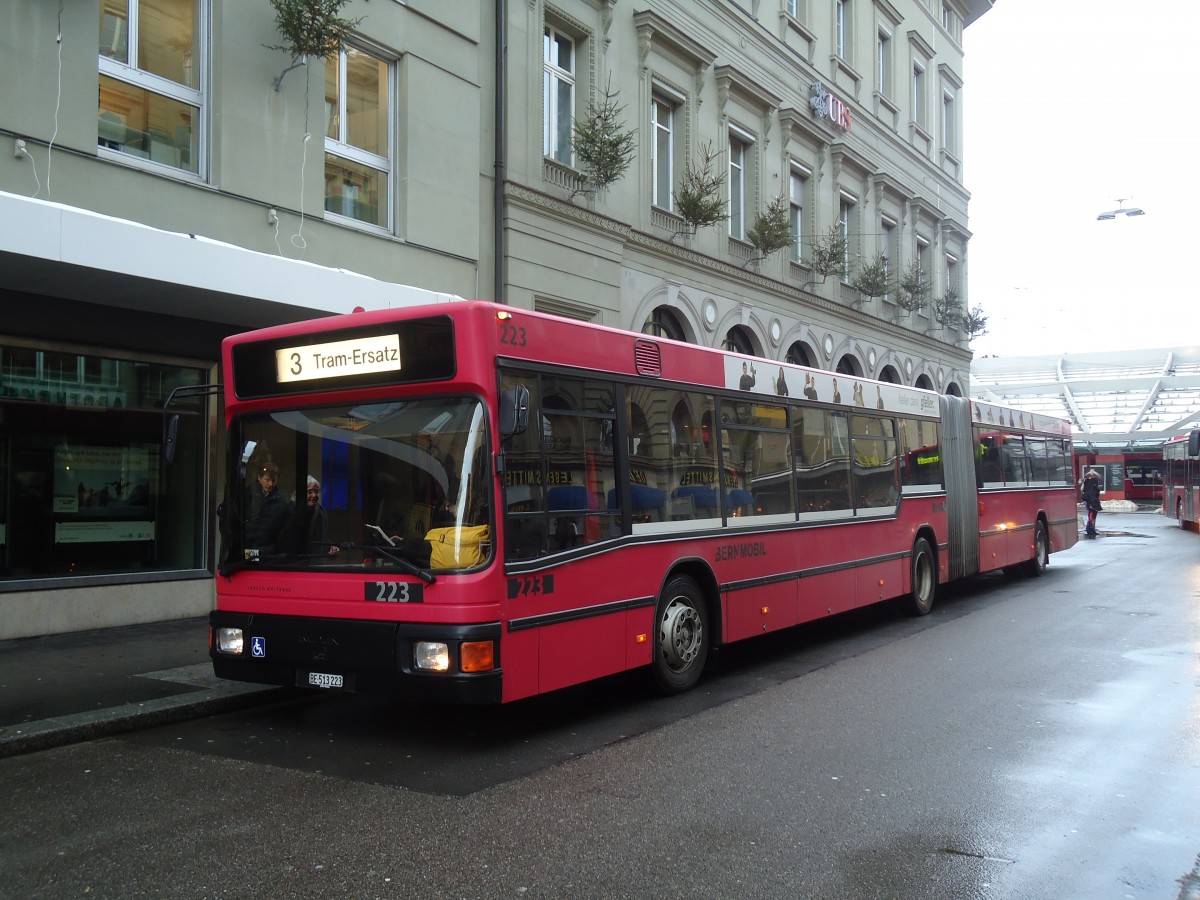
1181 477
508 502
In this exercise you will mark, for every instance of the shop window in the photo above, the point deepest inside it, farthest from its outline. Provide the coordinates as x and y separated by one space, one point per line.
83 489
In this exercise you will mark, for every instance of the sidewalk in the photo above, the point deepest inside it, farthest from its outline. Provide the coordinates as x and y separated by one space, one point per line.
61 689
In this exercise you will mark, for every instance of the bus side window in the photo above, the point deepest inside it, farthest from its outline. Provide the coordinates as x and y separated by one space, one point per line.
988 455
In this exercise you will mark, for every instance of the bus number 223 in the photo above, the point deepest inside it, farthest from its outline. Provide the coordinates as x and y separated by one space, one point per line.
393 592
513 335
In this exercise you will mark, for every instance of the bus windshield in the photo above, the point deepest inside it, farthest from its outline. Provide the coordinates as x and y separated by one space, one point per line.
354 485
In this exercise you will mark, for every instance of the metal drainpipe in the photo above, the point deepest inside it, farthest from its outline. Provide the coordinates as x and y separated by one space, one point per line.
501 131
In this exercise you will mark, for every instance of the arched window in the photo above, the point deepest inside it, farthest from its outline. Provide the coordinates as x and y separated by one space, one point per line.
889 374
923 381
737 339
663 322
799 355
848 365
953 390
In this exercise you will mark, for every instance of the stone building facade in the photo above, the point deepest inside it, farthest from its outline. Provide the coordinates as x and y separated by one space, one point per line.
170 177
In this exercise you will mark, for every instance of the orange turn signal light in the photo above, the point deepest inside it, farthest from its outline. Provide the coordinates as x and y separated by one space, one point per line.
478 656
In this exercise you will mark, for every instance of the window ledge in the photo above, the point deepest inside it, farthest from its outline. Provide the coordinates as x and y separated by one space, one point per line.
886 102
843 66
144 163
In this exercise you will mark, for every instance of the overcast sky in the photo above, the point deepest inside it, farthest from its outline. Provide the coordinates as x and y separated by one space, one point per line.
1070 105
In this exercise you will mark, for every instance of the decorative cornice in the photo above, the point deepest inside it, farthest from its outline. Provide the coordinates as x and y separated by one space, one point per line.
652 28
676 253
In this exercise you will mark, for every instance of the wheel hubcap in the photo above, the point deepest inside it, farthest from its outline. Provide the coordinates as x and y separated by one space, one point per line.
680 634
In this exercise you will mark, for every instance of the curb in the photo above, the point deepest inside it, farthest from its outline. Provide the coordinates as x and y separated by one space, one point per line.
30 737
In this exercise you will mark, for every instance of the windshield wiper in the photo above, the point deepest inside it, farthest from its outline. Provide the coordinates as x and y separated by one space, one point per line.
410 567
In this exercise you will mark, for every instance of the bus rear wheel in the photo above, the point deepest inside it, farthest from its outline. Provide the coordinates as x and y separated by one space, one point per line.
681 636
924 579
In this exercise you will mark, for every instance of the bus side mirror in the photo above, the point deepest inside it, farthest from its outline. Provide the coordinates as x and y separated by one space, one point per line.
1194 442
170 434
514 411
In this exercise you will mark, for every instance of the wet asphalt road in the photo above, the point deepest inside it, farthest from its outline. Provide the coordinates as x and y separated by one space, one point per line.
1029 739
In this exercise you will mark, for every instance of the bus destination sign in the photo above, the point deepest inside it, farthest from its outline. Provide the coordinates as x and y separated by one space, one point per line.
338 359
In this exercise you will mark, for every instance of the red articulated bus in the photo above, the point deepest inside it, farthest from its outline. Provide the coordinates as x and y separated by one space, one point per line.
1181 476
500 503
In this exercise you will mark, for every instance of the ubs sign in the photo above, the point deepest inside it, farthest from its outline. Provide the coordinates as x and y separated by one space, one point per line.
826 106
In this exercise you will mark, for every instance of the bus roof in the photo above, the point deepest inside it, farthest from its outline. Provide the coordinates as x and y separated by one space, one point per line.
520 335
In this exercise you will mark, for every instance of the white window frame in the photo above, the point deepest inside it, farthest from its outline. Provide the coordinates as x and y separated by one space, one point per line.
797 193
130 74
840 24
662 170
918 94
922 251
739 145
554 74
883 63
338 146
887 247
951 274
847 208
949 123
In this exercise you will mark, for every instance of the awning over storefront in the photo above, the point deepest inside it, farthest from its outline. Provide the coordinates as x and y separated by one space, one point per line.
62 251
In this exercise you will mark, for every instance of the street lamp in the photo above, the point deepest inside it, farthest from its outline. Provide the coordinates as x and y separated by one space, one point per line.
1120 211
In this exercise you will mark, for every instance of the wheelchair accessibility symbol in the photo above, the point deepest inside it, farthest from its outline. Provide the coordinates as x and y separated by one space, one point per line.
258 647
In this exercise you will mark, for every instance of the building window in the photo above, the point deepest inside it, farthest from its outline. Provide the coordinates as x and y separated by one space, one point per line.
883 63
949 125
558 95
846 210
662 122
358 136
737 188
737 340
841 25
663 322
918 94
83 490
150 87
887 248
951 22
951 274
797 185
922 268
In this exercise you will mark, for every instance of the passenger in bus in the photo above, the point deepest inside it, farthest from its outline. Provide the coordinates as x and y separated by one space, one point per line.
313 522
267 511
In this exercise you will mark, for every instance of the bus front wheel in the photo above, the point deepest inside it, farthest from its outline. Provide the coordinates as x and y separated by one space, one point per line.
924 579
681 636
1041 552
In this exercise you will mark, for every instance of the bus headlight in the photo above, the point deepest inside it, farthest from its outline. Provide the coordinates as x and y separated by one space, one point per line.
229 640
432 656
